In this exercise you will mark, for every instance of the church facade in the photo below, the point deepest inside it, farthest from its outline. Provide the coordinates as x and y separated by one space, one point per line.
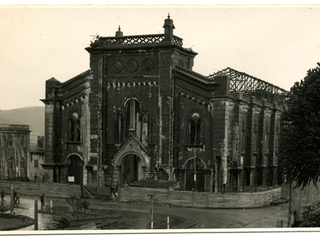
140 112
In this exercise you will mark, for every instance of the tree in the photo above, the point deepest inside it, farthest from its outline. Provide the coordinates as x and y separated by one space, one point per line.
77 204
299 148
311 214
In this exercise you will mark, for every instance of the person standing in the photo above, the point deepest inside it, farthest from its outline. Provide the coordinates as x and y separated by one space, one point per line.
2 196
17 199
42 201
14 195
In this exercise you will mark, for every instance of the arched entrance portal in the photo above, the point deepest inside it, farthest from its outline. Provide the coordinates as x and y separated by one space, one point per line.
132 168
194 177
75 169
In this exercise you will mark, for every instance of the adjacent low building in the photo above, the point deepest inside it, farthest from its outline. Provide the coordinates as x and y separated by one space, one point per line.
140 112
36 173
14 151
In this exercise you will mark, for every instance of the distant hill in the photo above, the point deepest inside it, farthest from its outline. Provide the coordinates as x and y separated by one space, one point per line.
32 116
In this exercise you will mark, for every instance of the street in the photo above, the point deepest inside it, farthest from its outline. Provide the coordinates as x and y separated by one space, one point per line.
266 217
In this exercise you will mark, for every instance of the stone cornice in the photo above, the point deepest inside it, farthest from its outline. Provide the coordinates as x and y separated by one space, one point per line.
193 97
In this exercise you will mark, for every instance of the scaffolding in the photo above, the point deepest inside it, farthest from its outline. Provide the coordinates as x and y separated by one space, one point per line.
245 84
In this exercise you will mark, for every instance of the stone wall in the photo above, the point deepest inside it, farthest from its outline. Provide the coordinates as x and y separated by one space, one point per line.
36 189
201 199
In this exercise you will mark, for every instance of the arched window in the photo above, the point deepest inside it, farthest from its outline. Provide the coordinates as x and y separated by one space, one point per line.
78 130
243 136
119 131
145 129
133 117
195 131
70 130
74 130
255 136
266 137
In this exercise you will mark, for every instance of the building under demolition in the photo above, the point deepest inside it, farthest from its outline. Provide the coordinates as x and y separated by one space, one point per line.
140 112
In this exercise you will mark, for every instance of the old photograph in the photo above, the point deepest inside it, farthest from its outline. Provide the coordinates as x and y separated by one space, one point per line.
159 118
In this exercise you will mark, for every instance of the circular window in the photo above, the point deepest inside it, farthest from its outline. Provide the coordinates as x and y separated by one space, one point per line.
117 66
148 64
132 65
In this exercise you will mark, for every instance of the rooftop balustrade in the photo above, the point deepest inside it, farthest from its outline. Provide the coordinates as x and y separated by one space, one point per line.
135 40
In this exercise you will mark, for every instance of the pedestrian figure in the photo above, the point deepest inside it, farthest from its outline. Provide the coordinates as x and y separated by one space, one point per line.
42 201
113 191
14 195
2 196
17 200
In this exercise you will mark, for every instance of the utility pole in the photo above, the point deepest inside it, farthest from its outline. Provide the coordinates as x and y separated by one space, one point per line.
11 199
195 168
151 210
119 187
290 203
36 214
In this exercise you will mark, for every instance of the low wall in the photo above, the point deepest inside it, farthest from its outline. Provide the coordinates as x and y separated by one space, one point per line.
161 196
36 189
200 199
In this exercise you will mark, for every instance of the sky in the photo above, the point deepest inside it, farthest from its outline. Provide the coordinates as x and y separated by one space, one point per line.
275 43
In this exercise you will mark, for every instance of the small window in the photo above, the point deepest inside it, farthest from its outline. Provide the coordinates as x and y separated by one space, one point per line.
36 163
22 163
22 167
23 141
10 140
10 163
241 161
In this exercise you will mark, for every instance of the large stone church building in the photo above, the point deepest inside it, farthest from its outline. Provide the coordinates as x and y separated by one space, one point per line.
140 112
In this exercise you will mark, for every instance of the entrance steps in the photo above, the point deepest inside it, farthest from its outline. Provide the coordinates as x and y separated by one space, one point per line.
88 192
95 192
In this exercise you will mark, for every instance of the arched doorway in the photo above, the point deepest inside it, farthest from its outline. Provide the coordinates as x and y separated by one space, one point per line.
132 168
195 183
75 169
